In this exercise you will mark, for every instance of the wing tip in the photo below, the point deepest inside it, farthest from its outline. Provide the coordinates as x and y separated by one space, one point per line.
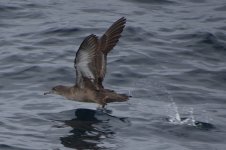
123 19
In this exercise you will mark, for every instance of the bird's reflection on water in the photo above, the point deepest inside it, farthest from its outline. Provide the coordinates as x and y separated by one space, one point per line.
90 128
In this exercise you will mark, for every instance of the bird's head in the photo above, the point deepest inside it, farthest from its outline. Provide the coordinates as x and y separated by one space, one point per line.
59 89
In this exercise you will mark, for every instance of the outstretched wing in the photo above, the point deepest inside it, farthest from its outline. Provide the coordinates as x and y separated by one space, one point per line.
91 58
107 43
112 35
85 60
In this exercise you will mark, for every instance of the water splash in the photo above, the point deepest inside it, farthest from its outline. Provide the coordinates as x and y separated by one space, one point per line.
175 117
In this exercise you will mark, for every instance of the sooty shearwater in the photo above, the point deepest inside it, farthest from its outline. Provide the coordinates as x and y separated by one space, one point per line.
90 64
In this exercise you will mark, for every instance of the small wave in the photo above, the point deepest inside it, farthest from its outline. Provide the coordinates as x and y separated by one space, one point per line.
221 8
215 19
35 5
50 41
209 44
137 34
61 31
24 73
88 10
203 45
6 146
197 1
5 8
189 36
207 38
13 58
154 1
13 12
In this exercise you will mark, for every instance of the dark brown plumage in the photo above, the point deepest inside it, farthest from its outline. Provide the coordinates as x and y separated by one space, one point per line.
90 64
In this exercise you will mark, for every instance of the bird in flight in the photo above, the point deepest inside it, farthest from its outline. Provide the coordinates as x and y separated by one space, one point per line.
90 64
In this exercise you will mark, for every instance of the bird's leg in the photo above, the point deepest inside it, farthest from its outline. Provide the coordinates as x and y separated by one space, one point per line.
103 106
104 101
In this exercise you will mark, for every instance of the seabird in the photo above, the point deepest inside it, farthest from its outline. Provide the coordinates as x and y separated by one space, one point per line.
90 64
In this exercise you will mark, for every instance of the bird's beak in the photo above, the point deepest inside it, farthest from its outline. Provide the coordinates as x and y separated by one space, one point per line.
50 92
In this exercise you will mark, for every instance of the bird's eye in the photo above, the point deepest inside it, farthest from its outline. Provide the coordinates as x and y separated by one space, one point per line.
54 89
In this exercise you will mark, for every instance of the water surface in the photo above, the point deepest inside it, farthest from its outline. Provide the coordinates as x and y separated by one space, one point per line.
171 59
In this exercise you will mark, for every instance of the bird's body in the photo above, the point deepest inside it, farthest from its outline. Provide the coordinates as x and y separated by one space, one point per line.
90 64
102 96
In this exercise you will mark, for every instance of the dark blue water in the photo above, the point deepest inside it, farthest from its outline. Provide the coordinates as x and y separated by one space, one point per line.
171 59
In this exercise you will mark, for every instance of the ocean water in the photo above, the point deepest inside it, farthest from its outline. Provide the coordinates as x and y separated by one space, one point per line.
171 59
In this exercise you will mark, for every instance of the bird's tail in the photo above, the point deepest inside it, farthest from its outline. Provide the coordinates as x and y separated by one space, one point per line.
115 97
